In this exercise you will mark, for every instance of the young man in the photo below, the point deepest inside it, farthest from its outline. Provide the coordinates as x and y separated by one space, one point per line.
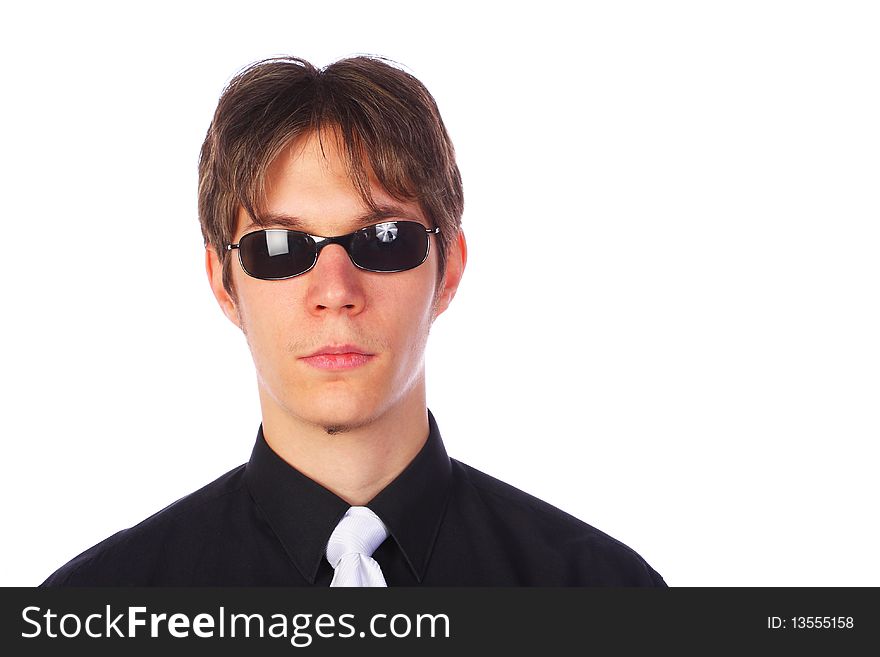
330 204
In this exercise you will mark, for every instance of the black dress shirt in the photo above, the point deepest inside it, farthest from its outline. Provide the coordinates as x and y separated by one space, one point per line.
266 524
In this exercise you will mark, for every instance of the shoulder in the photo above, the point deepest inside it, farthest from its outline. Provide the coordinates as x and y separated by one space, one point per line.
581 553
138 555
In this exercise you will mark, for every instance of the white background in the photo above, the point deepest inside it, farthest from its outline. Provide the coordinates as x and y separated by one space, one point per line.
668 324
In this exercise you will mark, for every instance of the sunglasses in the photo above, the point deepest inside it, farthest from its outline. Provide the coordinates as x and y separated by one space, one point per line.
391 246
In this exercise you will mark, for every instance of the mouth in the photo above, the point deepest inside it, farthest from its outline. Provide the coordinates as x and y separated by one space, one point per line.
338 357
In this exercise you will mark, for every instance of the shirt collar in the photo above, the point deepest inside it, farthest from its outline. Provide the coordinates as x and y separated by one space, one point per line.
303 514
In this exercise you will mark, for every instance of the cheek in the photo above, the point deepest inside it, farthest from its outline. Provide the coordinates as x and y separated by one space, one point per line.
408 312
267 317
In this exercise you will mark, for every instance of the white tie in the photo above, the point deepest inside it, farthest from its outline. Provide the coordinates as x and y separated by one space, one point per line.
351 547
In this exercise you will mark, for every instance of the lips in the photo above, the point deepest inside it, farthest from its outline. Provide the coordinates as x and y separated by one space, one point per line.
338 357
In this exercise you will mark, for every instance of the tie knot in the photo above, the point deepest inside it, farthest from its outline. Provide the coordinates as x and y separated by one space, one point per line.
359 532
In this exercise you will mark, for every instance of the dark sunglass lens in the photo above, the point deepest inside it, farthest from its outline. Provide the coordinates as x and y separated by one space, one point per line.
390 246
272 254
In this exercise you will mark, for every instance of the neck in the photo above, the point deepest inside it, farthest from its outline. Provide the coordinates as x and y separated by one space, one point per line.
355 464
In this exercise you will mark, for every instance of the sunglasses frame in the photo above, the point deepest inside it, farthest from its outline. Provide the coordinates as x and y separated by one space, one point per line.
321 241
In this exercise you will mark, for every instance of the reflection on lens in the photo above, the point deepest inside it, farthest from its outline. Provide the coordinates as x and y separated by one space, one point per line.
386 232
276 242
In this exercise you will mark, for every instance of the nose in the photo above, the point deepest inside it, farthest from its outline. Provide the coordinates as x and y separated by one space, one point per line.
335 284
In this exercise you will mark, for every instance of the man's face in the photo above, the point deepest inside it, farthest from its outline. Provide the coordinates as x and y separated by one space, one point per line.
385 316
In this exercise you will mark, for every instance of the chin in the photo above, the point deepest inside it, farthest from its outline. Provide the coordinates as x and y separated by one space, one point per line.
336 415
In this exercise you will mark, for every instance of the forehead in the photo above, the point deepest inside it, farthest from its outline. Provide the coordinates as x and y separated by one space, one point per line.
309 186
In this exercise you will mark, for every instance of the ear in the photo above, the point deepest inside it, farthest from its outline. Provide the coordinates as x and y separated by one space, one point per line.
215 278
456 259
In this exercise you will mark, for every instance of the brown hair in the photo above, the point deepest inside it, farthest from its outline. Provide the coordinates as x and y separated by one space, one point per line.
387 121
